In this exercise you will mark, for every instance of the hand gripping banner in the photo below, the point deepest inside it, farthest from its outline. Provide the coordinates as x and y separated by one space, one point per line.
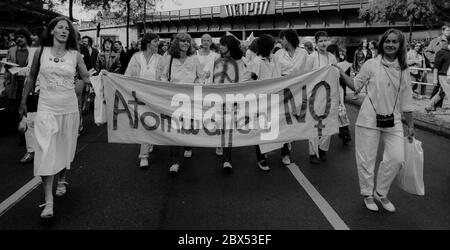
289 108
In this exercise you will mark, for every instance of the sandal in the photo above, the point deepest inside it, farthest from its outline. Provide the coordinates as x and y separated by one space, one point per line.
61 188
48 210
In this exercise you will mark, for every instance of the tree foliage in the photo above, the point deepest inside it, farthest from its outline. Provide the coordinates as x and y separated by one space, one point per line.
427 12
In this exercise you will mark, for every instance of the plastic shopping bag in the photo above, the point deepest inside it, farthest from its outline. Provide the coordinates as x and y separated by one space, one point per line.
410 176
99 101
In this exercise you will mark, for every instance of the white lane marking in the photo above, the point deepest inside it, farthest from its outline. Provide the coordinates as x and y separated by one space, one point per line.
19 195
27 188
323 205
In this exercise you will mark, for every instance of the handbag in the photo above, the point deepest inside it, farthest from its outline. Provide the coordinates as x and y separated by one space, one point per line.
342 115
33 96
410 175
387 121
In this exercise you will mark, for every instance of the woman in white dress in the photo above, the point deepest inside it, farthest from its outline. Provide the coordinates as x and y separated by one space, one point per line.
182 66
146 64
57 118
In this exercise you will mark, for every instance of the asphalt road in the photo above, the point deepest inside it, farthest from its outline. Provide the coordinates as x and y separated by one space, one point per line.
109 191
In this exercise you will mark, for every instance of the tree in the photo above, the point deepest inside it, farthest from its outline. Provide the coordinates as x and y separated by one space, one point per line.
426 12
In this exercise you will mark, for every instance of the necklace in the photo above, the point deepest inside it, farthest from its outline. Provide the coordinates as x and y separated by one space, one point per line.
59 56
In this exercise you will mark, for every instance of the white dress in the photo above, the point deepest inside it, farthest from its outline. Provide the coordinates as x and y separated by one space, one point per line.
57 119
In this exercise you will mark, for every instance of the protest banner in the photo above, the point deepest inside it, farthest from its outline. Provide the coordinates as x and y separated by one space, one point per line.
289 108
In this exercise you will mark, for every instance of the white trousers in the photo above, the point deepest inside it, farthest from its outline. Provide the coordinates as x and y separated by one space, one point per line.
322 142
366 146
144 150
30 138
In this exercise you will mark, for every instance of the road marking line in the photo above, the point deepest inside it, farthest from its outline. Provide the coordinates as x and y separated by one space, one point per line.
19 195
323 205
30 186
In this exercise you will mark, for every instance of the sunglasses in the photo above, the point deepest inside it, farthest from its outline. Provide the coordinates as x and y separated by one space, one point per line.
185 40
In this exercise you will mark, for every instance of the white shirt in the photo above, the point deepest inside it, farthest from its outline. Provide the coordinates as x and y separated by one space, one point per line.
207 63
290 64
382 81
249 56
317 60
236 73
139 67
188 72
264 68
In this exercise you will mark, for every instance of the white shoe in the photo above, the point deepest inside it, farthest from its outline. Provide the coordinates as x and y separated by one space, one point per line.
370 204
144 163
286 160
227 166
174 168
61 188
219 151
150 149
47 212
385 203
187 153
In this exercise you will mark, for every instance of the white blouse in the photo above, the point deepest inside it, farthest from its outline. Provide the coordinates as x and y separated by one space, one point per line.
290 64
382 80
189 71
264 68
139 67
317 60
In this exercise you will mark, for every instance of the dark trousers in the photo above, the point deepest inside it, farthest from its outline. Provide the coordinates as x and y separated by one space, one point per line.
174 155
437 91
261 157
227 154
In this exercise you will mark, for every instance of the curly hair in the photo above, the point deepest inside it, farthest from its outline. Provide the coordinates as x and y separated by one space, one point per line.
47 37
174 49
233 46
401 53
291 35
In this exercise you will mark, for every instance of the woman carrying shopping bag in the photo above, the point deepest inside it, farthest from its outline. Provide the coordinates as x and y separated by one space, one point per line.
388 84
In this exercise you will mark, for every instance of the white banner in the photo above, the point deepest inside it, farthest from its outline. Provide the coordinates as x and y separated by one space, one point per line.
285 109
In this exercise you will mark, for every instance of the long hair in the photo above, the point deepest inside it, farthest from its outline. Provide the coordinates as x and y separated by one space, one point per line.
47 37
291 35
174 49
107 40
401 53
233 46
265 45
